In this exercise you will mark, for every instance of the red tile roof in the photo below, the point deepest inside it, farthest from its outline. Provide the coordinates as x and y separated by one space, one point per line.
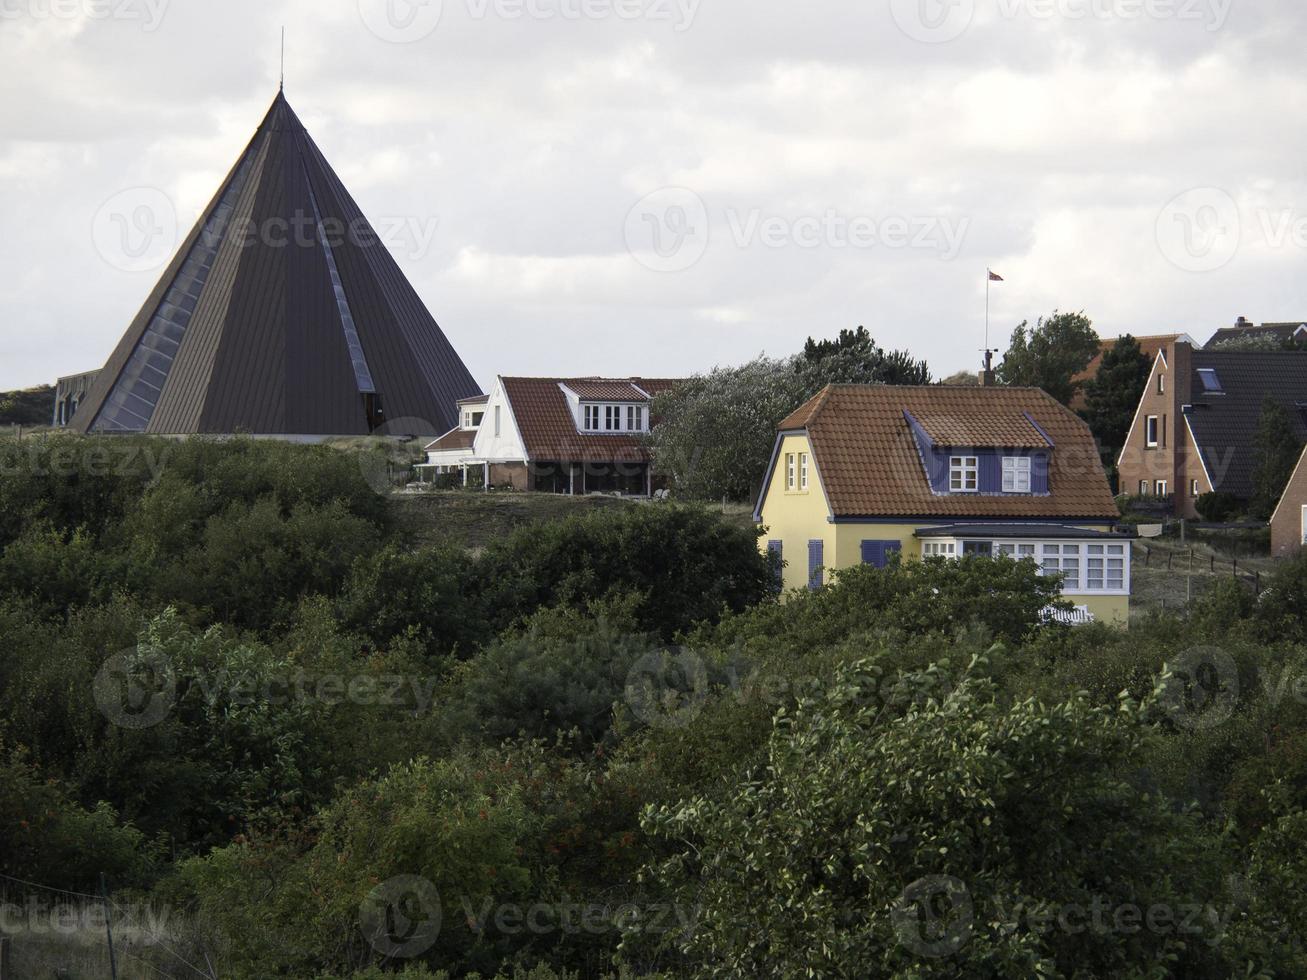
1012 431
598 389
453 439
870 466
549 430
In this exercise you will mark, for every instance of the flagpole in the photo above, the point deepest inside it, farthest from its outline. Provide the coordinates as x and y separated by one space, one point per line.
987 309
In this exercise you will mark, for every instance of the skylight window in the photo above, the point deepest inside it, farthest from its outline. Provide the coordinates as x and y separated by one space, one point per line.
1211 383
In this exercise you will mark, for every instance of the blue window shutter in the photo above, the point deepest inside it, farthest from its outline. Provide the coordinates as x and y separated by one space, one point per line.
816 548
877 553
777 548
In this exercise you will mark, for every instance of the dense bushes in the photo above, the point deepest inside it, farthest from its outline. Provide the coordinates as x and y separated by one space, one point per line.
1219 507
1004 816
685 564
908 773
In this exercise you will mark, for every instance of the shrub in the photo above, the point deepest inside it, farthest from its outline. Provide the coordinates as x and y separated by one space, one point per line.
1219 507
46 836
685 564
993 818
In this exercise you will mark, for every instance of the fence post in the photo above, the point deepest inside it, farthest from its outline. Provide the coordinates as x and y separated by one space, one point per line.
1213 562
1234 563
108 927
4 958
1169 556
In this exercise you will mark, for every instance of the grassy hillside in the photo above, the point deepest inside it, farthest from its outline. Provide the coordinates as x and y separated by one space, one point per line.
32 406
472 520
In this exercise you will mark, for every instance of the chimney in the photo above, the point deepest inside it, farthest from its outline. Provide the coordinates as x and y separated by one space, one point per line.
987 377
1242 322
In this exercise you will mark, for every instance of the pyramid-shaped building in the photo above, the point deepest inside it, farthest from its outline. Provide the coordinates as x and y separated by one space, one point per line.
281 314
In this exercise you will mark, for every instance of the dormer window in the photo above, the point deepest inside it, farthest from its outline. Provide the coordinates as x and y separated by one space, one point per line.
613 418
471 419
963 474
1211 383
1016 474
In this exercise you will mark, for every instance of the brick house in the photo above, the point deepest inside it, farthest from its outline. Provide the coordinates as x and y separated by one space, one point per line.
555 435
1289 522
1194 429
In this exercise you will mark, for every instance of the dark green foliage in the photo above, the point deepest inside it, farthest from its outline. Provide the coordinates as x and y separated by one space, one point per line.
46 836
854 358
423 593
1276 450
612 712
685 564
31 406
562 672
1112 395
1003 815
1050 354
915 597
1219 506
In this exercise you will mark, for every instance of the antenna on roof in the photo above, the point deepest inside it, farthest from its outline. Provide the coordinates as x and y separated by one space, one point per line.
282 86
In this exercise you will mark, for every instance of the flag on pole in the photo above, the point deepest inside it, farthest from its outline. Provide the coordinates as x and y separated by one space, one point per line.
994 276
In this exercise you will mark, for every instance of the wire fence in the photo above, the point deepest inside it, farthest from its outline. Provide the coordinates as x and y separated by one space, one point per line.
1189 560
46 931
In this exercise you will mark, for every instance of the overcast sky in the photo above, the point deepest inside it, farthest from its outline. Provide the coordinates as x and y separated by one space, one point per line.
657 186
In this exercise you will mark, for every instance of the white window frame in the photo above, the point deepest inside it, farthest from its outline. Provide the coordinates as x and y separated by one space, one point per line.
790 472
939 549
1163 487
803 472
1152 426
1016 474
963 470
1304 523
1145 488
1161 383
1096 564
1193 488
497 426
613 417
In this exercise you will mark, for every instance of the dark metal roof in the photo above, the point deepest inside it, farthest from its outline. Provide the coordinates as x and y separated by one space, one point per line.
265 346
1224 424
1015 531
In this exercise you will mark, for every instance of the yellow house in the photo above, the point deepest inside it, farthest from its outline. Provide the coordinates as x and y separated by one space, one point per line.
862 472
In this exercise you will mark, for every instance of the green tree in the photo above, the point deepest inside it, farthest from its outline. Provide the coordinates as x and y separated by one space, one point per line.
966 378
715 432
1050 354
1112 395
854 358
1275 453
944 838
